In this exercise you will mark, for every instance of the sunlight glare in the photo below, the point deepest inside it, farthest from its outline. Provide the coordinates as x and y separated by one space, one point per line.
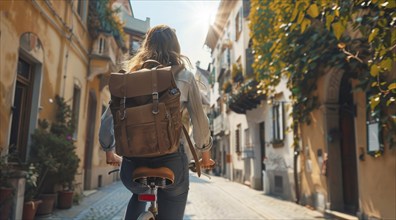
203 13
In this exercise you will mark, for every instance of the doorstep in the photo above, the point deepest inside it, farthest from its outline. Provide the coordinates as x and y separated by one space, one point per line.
340 215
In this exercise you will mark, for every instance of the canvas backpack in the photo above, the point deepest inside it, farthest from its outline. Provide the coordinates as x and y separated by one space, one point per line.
146 110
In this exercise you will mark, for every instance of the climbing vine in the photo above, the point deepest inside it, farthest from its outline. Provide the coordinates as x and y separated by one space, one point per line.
102 18
302 39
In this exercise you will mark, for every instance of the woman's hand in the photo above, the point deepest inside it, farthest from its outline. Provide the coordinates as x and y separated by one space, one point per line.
206 161
113 159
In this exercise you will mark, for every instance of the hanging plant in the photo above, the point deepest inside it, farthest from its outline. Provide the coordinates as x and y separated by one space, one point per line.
102 18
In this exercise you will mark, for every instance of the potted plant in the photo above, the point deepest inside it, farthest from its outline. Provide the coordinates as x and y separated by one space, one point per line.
43 145
6 189
31 203
55 152
64 128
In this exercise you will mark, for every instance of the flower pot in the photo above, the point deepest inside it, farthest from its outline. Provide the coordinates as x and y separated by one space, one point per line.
47 206
6 196
30 209
65 199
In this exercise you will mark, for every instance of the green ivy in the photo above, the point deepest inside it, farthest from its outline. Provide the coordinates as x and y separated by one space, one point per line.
300 39
102 18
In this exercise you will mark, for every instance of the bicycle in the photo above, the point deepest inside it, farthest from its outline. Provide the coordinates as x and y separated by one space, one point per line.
153 179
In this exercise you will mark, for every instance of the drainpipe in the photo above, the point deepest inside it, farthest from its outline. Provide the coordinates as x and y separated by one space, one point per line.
295 160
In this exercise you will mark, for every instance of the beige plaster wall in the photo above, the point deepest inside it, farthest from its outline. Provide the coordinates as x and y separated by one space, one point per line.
376 176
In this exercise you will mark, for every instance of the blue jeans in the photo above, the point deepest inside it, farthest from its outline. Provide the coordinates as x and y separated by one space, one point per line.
171 200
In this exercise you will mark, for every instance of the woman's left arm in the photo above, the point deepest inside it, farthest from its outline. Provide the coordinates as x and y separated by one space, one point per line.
107 140
106 131
200 122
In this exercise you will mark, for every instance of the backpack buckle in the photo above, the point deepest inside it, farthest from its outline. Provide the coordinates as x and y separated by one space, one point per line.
155 103
155 95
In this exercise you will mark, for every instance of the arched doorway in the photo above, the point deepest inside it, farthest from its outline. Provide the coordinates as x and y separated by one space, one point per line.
339 114
26 94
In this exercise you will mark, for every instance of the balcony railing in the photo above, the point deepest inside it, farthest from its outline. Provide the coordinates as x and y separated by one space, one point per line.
246 98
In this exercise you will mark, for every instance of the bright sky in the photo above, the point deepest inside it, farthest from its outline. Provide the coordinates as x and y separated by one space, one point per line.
190 18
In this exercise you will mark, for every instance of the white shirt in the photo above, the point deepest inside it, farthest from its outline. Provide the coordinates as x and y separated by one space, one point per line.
190 99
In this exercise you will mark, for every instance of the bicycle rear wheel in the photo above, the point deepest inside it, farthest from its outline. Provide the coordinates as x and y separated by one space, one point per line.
147 215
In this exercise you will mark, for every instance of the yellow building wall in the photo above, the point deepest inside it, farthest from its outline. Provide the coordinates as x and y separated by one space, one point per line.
376 176
312 179
65 63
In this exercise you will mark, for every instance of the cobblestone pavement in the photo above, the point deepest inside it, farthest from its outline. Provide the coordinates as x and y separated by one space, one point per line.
107 203
215 198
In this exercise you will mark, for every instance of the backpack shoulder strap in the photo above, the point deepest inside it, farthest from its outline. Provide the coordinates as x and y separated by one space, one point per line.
197 165
176 69
154 63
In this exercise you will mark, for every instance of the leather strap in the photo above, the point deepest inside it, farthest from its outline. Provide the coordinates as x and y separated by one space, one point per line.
197 165
155 110
154 85
151 61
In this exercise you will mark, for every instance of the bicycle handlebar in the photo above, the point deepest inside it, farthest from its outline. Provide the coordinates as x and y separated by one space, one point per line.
113 171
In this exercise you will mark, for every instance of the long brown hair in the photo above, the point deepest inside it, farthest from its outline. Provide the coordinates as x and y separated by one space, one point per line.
160 44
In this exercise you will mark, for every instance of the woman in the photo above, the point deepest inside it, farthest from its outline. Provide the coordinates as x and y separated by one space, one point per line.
161 44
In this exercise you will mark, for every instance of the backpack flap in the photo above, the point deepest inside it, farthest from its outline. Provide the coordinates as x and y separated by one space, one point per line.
139 83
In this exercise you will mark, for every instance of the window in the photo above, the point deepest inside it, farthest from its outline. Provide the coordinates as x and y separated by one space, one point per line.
247 138
278 124
102 45
133 46
76 109
278 184
246 8
238 24
375 145
21 109
238 139
82 9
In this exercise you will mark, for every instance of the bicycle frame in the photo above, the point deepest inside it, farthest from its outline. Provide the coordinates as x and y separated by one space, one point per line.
150 196
153 178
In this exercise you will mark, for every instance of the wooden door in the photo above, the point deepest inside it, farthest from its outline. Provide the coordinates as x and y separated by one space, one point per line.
21 110
348 148
89 141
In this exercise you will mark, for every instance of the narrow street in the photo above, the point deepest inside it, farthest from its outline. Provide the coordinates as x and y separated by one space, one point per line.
219 198
215 198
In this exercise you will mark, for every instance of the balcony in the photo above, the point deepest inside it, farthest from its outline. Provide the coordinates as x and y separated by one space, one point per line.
246 98
220 125
104 55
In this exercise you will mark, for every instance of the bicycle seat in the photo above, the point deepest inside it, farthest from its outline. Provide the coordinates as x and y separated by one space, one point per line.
154 173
